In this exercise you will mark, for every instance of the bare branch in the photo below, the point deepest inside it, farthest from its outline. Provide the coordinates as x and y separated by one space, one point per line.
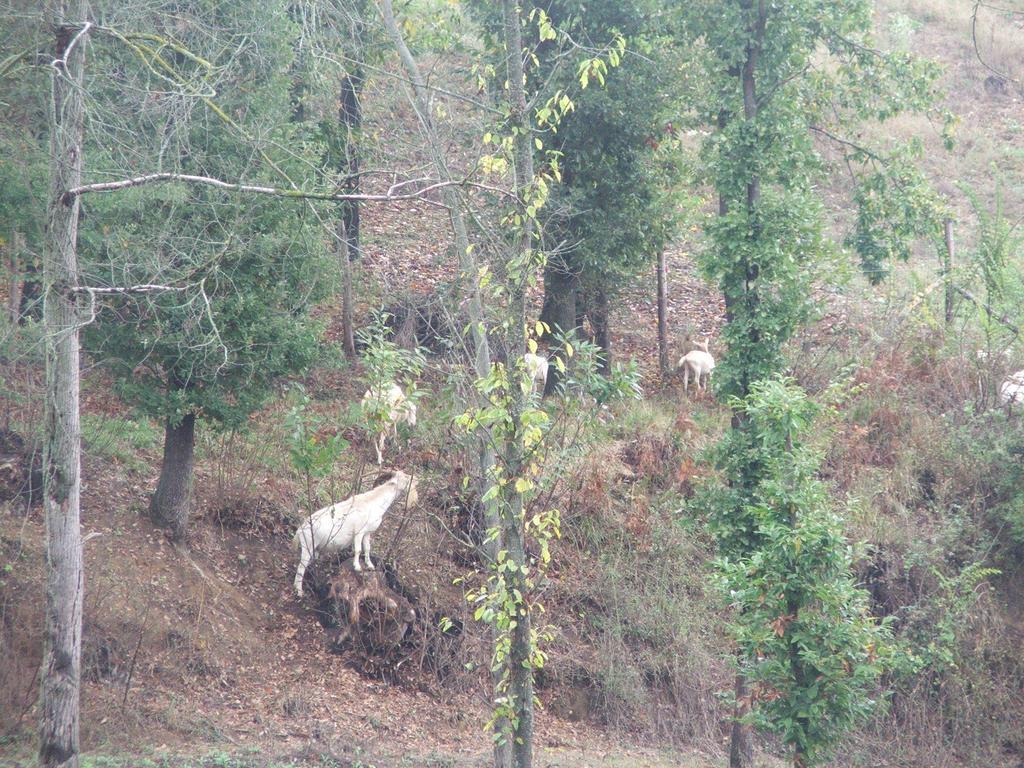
61 64
391 196
125 291
978 5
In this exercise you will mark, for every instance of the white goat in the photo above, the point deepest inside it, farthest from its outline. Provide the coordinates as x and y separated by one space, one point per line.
1012 389
700 362
537 368
391 406
349 522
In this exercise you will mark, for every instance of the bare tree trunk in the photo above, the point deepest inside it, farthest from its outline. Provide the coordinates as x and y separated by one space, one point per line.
348 333
947 269
62 642
172 500
520 666
741 746
663 361
14 264
477 320
351 117
598 313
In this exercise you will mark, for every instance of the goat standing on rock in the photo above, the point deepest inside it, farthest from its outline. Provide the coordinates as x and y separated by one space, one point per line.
700 362
352 521
388 406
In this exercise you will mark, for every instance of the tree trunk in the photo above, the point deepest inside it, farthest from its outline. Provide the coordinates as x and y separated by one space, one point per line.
348 333
947 269
741 751
598 313
60 675
519 664
559 312
14 265
477 320
741 747
663 360
351 116
172 501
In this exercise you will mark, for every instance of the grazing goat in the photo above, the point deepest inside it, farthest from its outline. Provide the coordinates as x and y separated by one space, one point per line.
700 362
537 368
1012 389
352 521
390 406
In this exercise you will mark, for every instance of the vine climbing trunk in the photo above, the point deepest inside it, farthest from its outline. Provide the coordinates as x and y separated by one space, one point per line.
60 675
741 748
469 273
519 663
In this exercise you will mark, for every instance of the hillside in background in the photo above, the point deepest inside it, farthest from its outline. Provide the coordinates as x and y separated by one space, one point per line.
202 654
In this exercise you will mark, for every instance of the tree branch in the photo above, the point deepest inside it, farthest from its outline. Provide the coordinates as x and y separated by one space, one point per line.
392 195
61 64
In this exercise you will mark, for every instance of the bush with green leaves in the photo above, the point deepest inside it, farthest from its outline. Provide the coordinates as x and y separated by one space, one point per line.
386 364
313 449
810 648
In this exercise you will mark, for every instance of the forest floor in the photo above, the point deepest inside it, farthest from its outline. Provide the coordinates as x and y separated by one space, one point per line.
193 655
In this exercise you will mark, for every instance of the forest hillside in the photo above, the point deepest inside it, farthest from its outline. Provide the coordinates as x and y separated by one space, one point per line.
811 555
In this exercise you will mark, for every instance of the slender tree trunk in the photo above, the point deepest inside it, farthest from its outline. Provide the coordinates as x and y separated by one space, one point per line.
520 667
343 247
172 501
348 215
663 360
62 640
469 273
599 314
351 115
14 265
947 269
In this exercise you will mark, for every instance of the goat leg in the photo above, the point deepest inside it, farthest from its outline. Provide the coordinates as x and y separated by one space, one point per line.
366 553
357 547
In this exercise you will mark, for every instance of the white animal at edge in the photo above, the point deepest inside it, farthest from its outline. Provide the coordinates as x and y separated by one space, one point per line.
349 522
1012 389
537 368
700 363
398 408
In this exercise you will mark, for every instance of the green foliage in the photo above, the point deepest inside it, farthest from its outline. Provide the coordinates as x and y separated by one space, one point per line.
581 376
995 259
809 646
620 166
250 267
120 439
760 158
313 449
386 364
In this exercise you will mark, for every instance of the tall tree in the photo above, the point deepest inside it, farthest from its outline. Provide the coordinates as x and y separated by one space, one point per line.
610 212
61 669
770 94
469 273
260 264
519 662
